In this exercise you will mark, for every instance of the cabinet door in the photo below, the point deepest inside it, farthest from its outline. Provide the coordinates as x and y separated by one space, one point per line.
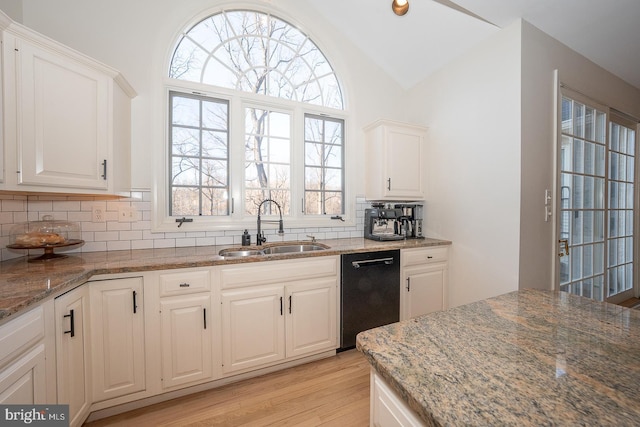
252 327
403 154
63 115
72 353
423 290
118 337
23 382
387 409
187 339
311 316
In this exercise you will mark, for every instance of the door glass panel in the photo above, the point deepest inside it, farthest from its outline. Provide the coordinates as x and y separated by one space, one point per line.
596 201
596 198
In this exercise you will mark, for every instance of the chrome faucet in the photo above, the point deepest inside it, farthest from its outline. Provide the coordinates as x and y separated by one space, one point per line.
260 239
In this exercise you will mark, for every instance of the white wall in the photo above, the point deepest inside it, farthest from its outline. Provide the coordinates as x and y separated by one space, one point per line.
472 109
136 38
491 151
13 8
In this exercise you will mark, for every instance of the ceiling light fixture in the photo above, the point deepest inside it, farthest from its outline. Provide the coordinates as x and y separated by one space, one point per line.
400 7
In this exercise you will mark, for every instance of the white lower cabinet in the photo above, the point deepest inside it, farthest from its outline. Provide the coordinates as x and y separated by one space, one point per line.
23 382
424 281
311 316
117 338
186 339
292 315
266 324
387 409
73 353
24 350
252 327
186 327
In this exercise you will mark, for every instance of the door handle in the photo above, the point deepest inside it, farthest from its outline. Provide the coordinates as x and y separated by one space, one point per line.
564 250
371 262
204 314
72 329
135 304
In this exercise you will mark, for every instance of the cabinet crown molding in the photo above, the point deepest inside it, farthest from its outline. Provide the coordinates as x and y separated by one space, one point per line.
24 32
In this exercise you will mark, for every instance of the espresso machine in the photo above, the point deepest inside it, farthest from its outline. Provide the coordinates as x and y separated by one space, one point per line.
402 221
382 223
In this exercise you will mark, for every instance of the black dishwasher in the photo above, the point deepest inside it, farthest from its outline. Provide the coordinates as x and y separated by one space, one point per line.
370 293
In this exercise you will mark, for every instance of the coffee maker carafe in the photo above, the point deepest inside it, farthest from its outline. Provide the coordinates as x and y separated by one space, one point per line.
412 219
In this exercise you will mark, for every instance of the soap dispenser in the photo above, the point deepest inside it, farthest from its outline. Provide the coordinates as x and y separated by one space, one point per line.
246 238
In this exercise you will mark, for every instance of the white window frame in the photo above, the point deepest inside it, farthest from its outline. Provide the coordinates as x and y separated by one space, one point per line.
237 220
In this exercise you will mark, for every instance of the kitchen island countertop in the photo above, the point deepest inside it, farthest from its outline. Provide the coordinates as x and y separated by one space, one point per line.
529 357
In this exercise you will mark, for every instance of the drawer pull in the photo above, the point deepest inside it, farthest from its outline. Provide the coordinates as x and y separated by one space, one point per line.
184 285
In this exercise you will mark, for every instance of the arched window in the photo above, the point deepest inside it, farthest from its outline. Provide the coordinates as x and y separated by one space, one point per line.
261 72
258 53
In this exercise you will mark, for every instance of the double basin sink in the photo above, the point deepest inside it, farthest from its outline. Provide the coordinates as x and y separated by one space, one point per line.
272 249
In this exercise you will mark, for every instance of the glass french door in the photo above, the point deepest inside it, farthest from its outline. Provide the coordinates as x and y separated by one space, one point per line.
596 201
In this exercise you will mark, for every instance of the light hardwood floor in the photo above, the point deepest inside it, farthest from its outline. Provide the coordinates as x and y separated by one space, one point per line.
631 302
329 392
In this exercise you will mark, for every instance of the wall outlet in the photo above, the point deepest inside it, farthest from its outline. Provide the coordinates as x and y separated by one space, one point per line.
97 214
127 214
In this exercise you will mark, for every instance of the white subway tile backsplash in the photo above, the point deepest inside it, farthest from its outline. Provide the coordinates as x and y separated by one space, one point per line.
131 235
123 245
106 236
112 235
93 246
164 243
142 244
13 205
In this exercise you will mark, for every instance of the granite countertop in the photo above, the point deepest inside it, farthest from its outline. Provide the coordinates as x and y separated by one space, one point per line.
23 283
525 358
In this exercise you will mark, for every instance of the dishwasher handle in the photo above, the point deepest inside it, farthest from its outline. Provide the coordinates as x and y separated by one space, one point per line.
372 262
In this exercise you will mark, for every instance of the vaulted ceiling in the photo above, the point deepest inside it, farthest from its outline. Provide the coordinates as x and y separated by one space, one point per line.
431 34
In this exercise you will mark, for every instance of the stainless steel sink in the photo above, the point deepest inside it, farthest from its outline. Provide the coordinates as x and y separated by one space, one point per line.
272 249
235 252
285 249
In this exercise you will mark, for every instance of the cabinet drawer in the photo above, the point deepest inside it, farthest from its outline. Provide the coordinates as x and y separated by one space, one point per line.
423 256
263 273
184 282
20 333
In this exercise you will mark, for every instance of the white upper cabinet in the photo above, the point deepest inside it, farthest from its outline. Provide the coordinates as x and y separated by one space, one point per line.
66 116
394 161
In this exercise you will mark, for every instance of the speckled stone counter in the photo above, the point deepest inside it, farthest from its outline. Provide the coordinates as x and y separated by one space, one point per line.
527 358
23 283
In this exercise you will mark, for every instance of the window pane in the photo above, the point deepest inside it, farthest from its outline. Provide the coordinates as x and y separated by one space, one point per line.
268 155
323 166
578 119
185 201
186 142
214 144
567 115
589 158
199 156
